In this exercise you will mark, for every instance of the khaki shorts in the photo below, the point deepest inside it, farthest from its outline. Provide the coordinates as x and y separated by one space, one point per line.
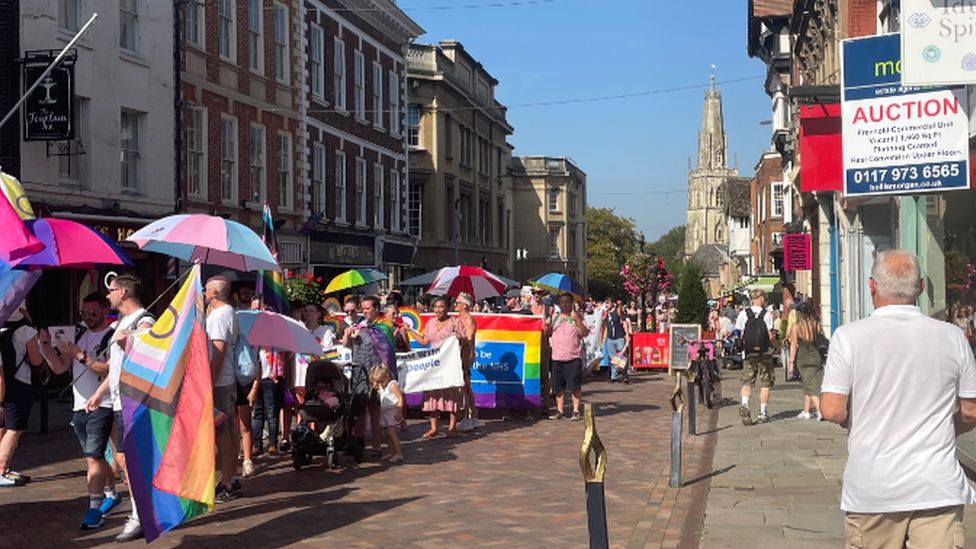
759 365
929 529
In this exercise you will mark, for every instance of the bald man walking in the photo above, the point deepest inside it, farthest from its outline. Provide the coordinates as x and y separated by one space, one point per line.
222 331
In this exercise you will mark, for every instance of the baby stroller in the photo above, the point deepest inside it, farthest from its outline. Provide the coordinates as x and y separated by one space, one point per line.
732 351
327 416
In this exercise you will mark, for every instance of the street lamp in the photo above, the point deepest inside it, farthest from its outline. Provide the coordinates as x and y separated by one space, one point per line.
521 254
643 291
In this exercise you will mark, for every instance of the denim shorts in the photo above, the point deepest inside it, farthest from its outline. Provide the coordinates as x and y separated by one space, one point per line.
93 430
17 405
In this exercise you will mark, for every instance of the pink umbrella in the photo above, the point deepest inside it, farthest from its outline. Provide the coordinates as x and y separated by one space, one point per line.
279 332
71 244
472 280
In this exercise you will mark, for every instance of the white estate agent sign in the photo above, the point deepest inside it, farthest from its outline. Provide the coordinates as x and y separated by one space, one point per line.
938 42
898 139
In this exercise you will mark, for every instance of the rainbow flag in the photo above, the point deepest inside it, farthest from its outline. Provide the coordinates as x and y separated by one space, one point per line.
167 404
270 285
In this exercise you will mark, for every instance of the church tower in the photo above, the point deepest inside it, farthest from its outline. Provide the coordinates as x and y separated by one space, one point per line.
706 220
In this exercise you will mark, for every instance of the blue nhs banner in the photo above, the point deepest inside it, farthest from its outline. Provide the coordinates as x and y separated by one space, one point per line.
898 139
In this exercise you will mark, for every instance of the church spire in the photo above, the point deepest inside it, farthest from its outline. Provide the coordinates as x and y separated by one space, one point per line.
712 147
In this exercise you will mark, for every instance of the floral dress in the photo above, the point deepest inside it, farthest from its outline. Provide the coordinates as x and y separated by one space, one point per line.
441 400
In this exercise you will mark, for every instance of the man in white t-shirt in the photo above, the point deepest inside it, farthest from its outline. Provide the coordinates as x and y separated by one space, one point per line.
123 296
222 331
758 361
895 379
89 363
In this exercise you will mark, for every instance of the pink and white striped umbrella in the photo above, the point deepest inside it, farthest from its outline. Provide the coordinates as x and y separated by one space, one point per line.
472 280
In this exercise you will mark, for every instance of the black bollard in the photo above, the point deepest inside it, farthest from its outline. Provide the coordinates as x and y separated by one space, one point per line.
691 405
596 507
677 406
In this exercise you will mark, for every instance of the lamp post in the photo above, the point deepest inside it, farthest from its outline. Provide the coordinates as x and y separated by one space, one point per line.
643 291
521 254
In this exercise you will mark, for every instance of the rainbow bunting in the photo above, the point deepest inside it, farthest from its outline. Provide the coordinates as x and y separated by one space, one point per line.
167 405
270 285
411 317
331 353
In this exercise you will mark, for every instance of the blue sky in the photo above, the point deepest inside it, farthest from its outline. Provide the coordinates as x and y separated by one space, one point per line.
573 49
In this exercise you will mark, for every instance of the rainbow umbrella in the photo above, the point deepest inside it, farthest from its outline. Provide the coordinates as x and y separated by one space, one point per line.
558 283
71 244
471 280
208 239
353 278
274 331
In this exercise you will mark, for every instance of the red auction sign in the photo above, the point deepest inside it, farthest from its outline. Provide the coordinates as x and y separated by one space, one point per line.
796 252
651 350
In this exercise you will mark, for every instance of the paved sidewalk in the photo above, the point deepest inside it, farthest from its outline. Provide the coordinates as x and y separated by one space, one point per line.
779 484
510 484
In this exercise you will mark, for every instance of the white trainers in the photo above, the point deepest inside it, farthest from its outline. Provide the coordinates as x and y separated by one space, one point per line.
819 416
804 415
248 469
132 530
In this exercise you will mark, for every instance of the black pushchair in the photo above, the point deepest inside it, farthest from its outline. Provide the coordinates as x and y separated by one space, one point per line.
325 429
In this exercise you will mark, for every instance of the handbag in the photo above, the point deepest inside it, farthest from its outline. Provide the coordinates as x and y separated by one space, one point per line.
822 344
619 361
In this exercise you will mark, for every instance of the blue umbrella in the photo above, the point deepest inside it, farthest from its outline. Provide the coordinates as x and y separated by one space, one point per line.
559 283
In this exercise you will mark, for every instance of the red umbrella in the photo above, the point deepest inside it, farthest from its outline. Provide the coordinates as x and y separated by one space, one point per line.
471 280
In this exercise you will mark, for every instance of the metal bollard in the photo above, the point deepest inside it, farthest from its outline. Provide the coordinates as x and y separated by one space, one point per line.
677 406
691 404
596 508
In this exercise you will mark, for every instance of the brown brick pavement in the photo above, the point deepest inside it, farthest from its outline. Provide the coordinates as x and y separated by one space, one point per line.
509 484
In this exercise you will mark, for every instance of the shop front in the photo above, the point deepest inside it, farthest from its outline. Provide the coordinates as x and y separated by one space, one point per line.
332 253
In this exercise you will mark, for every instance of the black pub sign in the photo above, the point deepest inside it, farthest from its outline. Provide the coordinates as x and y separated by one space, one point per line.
48 112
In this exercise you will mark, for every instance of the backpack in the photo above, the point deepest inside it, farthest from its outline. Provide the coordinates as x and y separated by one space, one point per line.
7 352
822 344
246 362
756 334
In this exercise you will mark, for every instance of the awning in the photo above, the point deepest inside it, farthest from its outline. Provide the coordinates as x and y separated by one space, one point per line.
725 292
765 283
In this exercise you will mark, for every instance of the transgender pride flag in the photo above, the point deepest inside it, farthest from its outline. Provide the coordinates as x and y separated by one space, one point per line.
167 403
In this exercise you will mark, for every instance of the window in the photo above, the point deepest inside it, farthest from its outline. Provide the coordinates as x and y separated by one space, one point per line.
71 159
360 191
448 136
777 203
415 208
359 85
285 192
228 159
500 209
394 103
69 14
377 95
378 192
225 29
554 242
130 150
396 219
340 184
339 75
466 208
572 204
254 43
483 147
129 25
318 179
316 46
464 146
281 42
196 151
743 222
450 206
484 220
554 199
195 27
413 125
777 239
257 164
571 252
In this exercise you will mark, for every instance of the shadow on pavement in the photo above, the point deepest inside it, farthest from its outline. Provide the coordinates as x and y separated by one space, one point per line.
708 476
714 430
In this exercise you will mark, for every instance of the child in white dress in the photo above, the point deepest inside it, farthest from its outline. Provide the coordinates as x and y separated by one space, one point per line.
391 408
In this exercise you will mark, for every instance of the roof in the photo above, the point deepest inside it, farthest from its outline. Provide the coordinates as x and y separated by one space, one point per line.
738 199
710 257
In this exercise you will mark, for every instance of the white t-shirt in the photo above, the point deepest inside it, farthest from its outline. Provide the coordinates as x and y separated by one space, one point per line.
87 381
903 373
724 326
758 312
222 325
118 353
21 338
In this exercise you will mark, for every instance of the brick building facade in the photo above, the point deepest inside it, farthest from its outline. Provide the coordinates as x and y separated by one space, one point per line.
770 198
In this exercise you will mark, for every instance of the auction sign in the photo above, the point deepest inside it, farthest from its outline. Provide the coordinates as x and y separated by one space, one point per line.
938 42
898 139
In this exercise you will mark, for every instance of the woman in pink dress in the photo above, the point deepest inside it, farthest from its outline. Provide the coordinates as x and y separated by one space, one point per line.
436 331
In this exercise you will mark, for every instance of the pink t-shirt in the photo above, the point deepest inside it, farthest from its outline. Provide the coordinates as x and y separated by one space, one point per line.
566 341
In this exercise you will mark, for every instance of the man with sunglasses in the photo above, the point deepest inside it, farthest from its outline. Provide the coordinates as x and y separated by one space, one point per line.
88 359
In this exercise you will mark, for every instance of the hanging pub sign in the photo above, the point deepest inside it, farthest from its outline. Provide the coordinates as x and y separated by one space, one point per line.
796 252
48 111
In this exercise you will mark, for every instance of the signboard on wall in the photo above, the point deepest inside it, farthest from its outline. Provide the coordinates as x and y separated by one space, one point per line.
898 139
680 335
48 110
938 42
796 252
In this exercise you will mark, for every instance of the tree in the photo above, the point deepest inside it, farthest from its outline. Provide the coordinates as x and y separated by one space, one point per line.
671 245
692 299
610 240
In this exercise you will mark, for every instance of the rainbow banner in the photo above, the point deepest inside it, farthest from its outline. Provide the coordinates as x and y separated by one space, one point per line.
167 404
